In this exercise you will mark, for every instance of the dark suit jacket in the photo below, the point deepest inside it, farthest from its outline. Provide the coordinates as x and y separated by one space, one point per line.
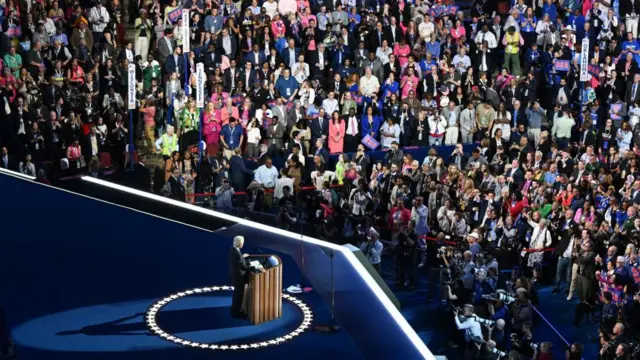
313 60
210 60
141 177
316 131
242 76
238 267
324 153
286 55
388 35
375 41
170 64
11 163
251 57
630 99
234 47
587 265
177 190
590 139
238 173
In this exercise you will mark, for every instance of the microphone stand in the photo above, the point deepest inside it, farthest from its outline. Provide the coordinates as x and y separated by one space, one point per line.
333 326
300 216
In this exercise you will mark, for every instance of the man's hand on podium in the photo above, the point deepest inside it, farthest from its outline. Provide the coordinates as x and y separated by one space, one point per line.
245 255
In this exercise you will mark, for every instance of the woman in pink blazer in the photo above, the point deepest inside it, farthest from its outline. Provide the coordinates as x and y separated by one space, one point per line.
336 134
211 129
227 111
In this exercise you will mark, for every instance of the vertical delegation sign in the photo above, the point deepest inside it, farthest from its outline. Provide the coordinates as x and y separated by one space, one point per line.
132 86
200 79
584 60
186 32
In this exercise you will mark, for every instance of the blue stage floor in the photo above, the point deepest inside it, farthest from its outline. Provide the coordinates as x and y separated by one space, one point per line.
118 331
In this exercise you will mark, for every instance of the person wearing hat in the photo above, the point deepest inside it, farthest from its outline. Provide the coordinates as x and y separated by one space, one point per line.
80 32
512 41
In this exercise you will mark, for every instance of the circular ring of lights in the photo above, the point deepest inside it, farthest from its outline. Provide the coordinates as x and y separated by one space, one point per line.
152 312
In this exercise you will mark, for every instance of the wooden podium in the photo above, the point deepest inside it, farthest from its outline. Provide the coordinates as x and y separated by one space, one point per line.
263 295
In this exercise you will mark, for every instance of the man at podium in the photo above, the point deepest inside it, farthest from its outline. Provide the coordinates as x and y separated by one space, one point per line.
239 268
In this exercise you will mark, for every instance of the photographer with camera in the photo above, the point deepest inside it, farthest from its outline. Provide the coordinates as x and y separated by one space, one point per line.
468 322
372 248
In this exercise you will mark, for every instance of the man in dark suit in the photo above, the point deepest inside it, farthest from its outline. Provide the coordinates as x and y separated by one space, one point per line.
226 44
322 151
392 33
175 63
586 272
319 126
256 57
247 75
565 231
239 269
290 53
633 90
319 61
7 161
210 58
141 176
238 171
376 37
165 46
177 190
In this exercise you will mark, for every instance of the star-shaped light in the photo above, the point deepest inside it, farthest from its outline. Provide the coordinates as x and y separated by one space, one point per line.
189 292
204 346
171 338
264 344
244 347
207 289
272 342
224 347
214 346
181 294
173 297
198 290
288 337
254 346
234 347
216 288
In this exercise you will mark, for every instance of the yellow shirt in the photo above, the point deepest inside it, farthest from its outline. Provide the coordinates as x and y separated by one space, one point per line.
513 43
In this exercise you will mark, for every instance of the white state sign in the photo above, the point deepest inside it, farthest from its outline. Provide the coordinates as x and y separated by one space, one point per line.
132 87
200 80
186 36
584 60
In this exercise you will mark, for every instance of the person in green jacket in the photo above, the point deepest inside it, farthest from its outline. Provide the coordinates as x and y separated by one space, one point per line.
150 70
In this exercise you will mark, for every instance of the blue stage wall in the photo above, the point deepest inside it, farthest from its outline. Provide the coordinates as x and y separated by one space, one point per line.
62 251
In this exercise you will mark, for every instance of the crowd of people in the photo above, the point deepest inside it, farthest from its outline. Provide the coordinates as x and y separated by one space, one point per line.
325 104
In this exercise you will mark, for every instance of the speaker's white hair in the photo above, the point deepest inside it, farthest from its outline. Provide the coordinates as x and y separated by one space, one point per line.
238 240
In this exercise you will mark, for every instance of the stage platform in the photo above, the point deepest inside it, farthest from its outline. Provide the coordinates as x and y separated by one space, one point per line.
81 275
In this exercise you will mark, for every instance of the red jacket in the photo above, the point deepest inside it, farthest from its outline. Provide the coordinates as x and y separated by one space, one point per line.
405 216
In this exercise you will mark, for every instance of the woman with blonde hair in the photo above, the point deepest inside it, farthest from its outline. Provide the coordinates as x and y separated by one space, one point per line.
211 129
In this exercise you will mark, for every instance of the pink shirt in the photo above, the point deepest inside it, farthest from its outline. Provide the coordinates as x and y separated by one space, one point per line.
402 53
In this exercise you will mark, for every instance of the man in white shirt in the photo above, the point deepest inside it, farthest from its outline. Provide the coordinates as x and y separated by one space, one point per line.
300 70
469 323
267 175
369 84
488 36
330 104
426 28
99 18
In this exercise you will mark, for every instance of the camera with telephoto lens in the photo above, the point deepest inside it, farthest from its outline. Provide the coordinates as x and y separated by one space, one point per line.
485 322
500 295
